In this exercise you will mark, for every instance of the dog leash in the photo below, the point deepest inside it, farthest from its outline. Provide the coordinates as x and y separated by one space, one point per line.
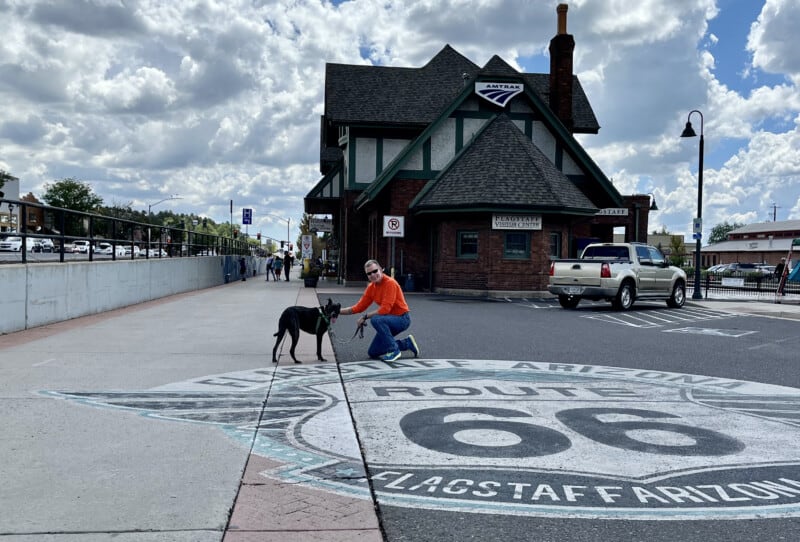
358 333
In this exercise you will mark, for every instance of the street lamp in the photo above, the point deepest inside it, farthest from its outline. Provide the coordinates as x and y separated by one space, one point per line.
698 223
11 217
149 207
288 222
150 217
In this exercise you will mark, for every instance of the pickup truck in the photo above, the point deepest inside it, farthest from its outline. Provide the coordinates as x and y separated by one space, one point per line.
617 272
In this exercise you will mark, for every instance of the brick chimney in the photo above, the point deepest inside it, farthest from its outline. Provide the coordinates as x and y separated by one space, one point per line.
561 48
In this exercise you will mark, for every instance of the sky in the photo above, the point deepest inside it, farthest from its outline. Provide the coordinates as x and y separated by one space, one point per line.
215 101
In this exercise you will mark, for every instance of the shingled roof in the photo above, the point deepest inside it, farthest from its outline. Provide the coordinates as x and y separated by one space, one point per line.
380 95
502 169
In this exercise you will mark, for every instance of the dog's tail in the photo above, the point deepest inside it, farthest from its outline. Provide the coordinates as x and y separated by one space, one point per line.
275 334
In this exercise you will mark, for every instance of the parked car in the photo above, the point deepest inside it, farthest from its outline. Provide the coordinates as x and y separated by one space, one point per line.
41 245
81 246
103 248
12 243
157 253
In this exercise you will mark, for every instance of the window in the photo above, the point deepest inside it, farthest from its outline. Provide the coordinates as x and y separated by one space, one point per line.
517 245
555 244
467 245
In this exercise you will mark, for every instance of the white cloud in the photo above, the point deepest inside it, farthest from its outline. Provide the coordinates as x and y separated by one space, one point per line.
220 100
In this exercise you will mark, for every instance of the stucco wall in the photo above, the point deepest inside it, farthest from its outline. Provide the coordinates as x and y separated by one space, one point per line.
44 293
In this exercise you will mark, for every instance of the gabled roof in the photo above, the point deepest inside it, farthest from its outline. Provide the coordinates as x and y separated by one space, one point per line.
502 169
387 95
381 95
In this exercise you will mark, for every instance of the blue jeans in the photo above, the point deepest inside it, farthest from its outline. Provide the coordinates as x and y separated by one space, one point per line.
386 327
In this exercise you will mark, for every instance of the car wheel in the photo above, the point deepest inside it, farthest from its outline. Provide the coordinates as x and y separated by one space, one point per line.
678 297
625 296
569 301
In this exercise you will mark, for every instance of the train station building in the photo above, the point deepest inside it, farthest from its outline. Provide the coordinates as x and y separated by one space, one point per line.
464 177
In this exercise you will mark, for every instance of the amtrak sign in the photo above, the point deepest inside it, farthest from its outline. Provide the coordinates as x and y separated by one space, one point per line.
508 437
498 93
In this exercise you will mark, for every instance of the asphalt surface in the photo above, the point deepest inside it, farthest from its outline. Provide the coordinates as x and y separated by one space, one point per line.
167 421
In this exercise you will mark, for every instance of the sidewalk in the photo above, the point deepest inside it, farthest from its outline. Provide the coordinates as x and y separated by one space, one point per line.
108 430
765 305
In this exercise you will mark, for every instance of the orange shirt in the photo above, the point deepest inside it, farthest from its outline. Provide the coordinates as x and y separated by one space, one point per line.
387 294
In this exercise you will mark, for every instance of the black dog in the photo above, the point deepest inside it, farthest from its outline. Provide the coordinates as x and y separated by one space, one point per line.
309 319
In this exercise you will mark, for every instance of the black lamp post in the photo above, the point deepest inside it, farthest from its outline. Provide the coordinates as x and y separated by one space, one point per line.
689 132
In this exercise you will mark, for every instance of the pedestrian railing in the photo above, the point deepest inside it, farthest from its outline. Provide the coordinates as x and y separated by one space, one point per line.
742 284
128 239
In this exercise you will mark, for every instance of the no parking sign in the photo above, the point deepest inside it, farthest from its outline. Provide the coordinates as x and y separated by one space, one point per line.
393 226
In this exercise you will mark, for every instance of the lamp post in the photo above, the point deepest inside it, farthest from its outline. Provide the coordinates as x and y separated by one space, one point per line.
11 217
698 224
288 222
150 217
149 207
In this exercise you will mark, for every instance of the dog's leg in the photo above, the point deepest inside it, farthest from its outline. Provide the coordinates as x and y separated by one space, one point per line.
319 346
279 334
295 332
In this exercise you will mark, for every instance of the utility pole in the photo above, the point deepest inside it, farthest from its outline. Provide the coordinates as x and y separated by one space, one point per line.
775 212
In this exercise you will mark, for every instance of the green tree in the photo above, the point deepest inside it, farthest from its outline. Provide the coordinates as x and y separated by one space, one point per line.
677 251
720 232
72 194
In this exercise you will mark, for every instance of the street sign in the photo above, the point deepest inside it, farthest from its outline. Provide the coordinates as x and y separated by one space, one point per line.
697 225
247 216
393 226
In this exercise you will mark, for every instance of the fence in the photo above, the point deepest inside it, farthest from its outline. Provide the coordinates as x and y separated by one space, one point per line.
135 239
741 284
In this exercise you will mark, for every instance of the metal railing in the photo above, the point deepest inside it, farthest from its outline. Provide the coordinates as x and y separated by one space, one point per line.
745 284
37 222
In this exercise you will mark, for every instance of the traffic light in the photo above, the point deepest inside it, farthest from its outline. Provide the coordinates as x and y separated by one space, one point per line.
235 234
258 236
205 222
282 244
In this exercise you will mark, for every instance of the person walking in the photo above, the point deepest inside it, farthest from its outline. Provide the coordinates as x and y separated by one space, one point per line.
287 263
391 318
277 265
270 270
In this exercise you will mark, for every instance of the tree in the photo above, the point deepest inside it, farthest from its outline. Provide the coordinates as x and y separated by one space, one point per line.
720 232
71 194
677 251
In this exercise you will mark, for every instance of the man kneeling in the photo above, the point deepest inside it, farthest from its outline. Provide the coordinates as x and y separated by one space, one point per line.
391 318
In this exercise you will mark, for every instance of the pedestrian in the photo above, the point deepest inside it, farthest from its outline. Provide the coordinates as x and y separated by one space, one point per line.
270 261
243 268
287 263
277 265
391 318
779 268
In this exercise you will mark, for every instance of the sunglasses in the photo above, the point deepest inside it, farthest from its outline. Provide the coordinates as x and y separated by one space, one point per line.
373 271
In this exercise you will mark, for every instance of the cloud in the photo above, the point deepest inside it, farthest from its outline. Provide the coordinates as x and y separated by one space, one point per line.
221 100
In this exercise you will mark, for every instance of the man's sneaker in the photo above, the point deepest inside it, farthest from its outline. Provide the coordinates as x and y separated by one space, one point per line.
412 345
391 356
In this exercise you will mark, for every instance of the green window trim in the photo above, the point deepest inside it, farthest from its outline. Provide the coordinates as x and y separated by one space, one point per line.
517 245
467 245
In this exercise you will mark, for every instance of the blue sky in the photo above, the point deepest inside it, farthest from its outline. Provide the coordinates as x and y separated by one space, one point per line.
220 99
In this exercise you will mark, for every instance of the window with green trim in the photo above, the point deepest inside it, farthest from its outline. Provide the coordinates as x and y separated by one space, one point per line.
467 245
517 245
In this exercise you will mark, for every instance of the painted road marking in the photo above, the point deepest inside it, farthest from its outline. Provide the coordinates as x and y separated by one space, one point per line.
508 437
712 332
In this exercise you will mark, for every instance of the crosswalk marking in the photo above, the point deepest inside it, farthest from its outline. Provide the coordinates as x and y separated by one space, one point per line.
641 316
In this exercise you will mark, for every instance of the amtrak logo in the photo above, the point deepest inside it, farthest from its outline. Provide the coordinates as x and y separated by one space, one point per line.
507 437
498 93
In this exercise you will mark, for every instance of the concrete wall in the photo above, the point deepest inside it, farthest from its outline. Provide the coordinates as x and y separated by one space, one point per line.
43 293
